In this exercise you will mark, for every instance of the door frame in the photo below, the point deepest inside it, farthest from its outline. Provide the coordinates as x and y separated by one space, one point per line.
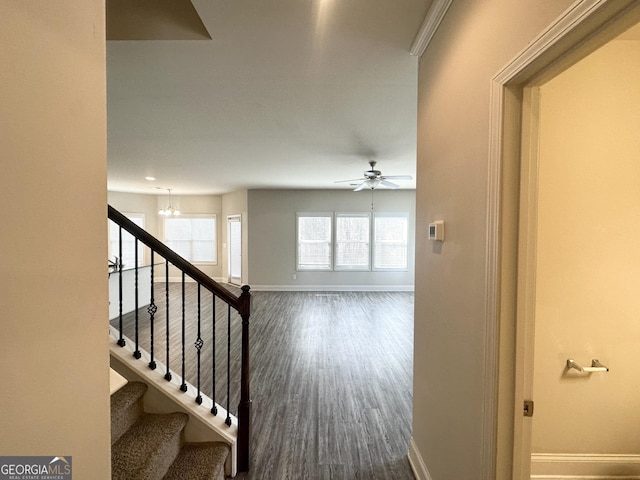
511 221
230 219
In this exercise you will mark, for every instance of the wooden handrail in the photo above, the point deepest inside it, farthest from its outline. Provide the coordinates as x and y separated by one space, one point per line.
172 257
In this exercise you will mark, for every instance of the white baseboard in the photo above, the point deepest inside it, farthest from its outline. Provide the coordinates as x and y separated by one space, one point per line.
417 463
559 466
332 288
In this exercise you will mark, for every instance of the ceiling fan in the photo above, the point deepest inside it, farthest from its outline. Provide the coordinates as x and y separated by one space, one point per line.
373 178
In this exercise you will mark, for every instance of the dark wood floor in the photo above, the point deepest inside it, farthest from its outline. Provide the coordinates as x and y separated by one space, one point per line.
331 381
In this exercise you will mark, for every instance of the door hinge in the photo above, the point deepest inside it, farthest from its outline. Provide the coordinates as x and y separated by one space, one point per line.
528 408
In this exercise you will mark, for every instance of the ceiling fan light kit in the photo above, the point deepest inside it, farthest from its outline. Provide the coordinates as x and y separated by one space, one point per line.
373 178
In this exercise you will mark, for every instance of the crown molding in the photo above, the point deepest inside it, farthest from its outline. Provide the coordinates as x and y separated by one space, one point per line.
429 26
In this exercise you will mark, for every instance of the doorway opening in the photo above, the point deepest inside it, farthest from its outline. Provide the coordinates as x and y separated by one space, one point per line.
513 212
234 240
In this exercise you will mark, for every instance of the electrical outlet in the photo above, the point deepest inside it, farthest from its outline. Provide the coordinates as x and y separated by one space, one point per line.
294 277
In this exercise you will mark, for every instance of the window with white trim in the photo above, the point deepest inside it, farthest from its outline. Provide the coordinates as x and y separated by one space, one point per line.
314 241
128 242
352 241
390 241
193 237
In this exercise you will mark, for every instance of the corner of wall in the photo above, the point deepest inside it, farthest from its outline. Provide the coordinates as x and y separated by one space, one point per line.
417 462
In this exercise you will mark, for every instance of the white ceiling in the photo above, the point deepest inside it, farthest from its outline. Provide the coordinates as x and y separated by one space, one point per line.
286 94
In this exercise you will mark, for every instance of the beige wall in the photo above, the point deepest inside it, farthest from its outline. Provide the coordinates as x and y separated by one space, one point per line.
54 354
587 302
272 236
475 40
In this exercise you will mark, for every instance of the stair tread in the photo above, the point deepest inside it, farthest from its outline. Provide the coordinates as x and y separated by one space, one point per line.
148 446
126 408
199 461
130 393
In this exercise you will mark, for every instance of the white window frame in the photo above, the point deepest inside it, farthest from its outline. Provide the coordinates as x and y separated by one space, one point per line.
208 216
329 263
114 249
375 244
337 244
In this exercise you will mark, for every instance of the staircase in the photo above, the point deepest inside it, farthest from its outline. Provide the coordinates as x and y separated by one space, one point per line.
165 340
147 446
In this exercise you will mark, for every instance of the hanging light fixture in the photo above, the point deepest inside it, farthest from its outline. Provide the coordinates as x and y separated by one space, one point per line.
170 210
372 183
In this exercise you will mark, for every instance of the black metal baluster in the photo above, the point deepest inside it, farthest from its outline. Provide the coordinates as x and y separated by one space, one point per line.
183 387
167 376
152 309
199 343
228 420
121 340
214 408
137 353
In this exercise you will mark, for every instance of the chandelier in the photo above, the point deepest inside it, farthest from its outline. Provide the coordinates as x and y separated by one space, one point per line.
170 210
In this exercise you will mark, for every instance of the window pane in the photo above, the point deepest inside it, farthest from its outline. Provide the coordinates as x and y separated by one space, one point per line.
181 247
314 242
315 255
352 229
128 243
203 229
352 241
314 229
352 255
390 256
177 229
202 251
192 238
391 242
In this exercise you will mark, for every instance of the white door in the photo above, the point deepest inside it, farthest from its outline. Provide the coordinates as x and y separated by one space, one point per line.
234 224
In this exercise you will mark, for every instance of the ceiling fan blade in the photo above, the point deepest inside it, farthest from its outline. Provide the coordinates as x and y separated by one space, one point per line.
399 177
389 184
360 187
352 180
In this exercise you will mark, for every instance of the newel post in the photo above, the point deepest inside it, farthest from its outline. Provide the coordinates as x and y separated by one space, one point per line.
244 409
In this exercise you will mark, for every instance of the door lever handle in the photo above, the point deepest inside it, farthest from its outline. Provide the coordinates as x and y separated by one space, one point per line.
596 366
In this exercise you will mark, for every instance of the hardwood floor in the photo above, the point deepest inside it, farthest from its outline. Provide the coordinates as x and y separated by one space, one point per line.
331 381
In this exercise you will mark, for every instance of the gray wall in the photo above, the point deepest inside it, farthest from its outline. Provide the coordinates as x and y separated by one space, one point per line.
272 237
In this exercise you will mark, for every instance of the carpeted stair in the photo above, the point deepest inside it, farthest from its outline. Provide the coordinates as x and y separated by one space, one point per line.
147 446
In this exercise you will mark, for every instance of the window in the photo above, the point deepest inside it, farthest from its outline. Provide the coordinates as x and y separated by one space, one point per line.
390 244
128 242
352 241
314 241
192 237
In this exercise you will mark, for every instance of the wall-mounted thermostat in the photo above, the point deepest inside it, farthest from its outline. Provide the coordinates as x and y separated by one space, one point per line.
436 231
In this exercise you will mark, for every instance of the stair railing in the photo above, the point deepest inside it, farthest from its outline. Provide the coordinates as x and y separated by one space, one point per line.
241 304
